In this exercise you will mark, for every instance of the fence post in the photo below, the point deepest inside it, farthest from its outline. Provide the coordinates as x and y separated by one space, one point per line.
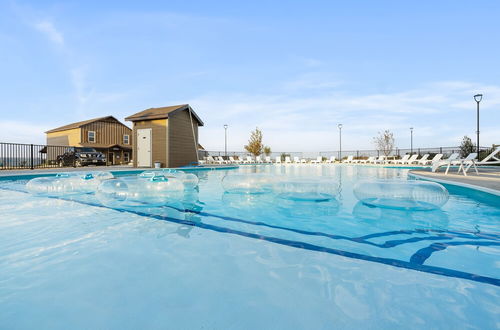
440 150
31 157
357 153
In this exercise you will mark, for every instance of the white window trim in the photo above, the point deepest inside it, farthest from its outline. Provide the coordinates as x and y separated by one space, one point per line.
128 138
88 136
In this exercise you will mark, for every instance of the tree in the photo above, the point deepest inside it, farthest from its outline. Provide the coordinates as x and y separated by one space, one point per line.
384 142
466 147
255 145
267 150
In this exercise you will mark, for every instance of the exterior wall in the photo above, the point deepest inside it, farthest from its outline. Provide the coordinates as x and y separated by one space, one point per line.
70 137
181 145
106 133
158 139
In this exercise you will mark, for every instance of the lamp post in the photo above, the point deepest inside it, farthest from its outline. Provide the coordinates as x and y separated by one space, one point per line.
411 140
340 142
225 139
478 98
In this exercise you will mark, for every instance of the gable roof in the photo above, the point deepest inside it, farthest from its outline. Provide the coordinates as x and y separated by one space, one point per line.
82 123
163 112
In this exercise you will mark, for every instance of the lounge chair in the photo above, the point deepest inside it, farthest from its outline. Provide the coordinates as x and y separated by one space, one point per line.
369 160
288 160
435 159
221 160
211 160
467 161
296 160
349 159
318 160
331 160
268 160
402 160
278 160
258 160
411 160
422 160
379 160
491 159
249 160
233 160
447 162
303 161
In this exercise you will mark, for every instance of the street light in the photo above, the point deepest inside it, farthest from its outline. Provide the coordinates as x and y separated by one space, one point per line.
340 142
411 140
478 98
225 139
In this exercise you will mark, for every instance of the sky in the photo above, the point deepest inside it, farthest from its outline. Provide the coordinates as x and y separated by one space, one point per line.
294 69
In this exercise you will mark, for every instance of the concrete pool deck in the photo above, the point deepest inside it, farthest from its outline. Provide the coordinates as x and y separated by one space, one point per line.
488 179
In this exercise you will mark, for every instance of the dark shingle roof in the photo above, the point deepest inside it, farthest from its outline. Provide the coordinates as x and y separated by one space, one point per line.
163 112
82 123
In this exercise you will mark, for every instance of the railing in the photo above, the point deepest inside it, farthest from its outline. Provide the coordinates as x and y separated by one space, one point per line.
31 156
358 154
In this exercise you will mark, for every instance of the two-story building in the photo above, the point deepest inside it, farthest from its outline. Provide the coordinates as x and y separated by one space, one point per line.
105 134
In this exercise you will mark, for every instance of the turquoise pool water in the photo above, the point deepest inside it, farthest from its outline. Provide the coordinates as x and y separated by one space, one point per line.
230 261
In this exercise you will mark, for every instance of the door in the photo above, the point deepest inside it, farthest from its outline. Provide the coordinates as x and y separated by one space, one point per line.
111 158
144 147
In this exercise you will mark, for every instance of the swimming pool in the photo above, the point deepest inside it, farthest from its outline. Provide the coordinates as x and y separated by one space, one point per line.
233 261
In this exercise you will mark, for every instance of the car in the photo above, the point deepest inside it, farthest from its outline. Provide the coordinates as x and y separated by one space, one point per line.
81 156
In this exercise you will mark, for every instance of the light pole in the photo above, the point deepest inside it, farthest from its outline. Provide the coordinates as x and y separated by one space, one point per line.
225 139
340 142
478 98
411 140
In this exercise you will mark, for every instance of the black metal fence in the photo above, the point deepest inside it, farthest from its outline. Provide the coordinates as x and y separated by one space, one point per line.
357 154
31 156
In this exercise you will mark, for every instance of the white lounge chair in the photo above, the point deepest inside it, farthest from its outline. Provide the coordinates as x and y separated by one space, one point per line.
249 160
318 160
296 160
422 160
303 161
331 160
379 160
467 161
258 159
288 160
435 159
278 160
491 159
447 162
268 159
233 160
369 160
402 160
348 160
221 160
412 159
210 160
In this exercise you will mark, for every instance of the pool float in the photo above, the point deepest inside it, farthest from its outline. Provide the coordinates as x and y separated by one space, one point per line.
189 180
400 194
67 183
145 191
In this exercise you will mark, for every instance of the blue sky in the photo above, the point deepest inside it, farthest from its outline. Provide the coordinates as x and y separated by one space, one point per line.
295 69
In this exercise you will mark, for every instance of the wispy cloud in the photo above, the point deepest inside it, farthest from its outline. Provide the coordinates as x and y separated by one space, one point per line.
291 121
51 32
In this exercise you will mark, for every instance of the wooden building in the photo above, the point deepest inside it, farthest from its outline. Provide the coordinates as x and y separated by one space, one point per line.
168 135
105 134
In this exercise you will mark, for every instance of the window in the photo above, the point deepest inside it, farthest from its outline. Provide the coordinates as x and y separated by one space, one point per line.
126 156
126 139
91 136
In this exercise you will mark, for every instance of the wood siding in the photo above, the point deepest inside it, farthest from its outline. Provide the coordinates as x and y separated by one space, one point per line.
107 133
70 137
158 139
182 148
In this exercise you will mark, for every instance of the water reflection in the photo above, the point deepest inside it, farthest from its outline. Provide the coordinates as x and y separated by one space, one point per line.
384 217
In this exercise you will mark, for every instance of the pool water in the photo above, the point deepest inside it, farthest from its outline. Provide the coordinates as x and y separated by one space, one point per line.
233 261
